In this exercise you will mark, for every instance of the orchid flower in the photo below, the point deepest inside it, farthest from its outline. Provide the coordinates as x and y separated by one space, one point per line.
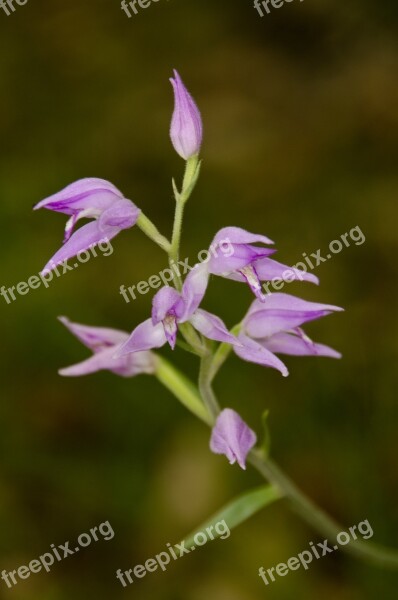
232 437
89 198
170 308
274 326
250 263
103 342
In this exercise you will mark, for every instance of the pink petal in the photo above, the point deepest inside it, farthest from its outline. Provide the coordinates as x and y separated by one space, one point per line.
212 327
254 352
144 337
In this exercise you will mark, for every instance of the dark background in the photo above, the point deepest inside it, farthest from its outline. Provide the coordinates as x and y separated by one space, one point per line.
300 119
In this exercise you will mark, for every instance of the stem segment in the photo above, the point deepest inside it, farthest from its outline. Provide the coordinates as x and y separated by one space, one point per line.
182 389
152 232
191 175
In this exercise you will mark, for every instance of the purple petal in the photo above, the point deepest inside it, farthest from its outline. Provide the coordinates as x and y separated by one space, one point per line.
167 301
84 238
194 289
95 338
82 194
126 366
268 269
237 235
238 257
212 327
122 214
144 337
186 129
289 302
232 437
252 351
281 312
288 343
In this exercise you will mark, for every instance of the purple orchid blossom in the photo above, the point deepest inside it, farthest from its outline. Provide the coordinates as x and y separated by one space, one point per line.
274 326
232 437
186 131
170 308
93 199
103 342
249 263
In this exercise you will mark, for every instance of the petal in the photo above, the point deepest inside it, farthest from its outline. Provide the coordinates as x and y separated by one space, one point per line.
289 302
95 338
212 327
288 343
122 214
167 301
85 193
126 366
232 437
281 312
265 323
252 351
236 235
194 289
84 238
268 269
224 261
144 337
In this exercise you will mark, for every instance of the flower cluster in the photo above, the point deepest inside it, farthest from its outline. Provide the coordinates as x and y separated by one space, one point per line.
271 326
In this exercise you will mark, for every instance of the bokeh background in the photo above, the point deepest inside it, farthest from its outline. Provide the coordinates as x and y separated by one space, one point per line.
300 118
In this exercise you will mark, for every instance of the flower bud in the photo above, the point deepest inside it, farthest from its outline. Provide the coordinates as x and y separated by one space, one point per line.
186 129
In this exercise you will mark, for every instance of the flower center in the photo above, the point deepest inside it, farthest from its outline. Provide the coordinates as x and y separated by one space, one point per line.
170 329
87 213
249 273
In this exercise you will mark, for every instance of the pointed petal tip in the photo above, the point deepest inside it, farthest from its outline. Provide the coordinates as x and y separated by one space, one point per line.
65 372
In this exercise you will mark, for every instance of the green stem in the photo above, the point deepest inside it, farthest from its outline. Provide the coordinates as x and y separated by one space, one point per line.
205 388
316 517
192 337
182 389
152 232
186 392
190 177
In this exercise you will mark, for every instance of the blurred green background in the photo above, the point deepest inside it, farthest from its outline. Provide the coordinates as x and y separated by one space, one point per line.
300 118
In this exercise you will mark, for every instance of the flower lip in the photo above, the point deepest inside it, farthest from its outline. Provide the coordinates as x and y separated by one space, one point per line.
170 329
